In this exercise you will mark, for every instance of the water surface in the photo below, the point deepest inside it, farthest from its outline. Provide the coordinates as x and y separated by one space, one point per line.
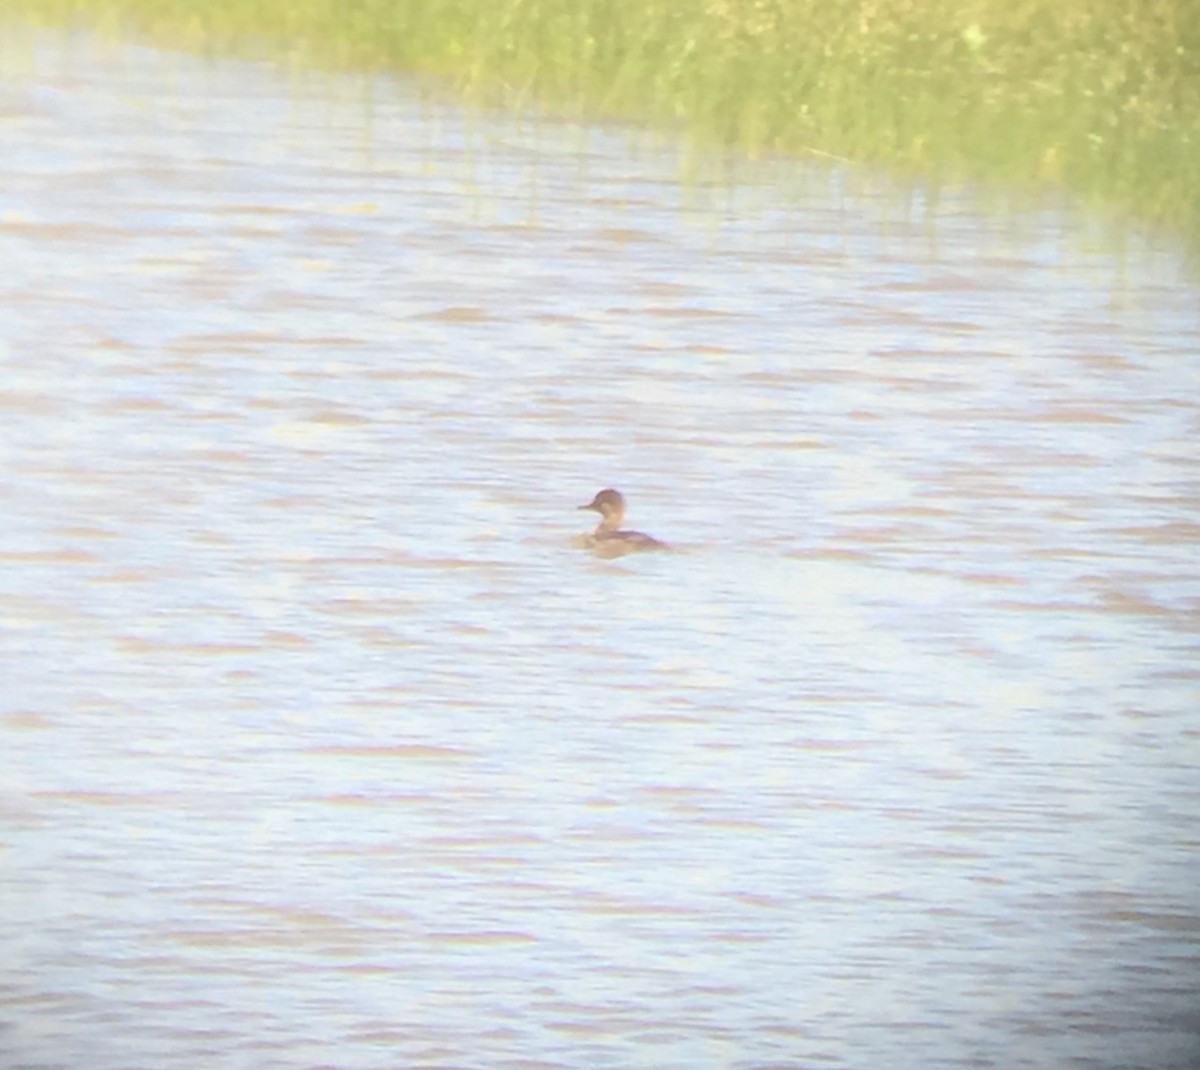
321 746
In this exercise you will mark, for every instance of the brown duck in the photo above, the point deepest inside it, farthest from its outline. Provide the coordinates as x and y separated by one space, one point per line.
608 540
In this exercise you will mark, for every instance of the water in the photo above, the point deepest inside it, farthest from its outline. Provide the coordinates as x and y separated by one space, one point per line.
322 747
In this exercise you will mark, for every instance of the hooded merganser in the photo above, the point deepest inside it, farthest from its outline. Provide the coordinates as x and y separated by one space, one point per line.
608 540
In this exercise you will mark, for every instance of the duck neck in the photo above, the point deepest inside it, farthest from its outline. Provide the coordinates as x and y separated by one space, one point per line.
609 523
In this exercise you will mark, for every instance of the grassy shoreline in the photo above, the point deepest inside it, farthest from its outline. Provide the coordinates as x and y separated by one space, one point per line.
1099 98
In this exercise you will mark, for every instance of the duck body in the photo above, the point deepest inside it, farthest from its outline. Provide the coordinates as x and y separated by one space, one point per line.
610 539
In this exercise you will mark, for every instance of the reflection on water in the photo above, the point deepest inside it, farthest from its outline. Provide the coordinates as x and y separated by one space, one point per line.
322 747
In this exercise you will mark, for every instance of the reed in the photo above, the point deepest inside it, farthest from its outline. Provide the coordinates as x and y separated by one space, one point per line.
1100 98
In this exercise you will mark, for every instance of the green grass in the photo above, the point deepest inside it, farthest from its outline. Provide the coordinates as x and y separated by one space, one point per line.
1100 98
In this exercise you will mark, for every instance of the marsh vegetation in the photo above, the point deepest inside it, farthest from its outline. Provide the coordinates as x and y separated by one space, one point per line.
1100 98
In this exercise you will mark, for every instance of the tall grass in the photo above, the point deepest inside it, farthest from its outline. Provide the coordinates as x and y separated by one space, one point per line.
1098 97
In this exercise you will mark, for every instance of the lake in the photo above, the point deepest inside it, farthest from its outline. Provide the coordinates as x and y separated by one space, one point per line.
321 744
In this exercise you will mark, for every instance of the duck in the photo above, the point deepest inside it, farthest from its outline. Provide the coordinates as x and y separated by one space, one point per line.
609 540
